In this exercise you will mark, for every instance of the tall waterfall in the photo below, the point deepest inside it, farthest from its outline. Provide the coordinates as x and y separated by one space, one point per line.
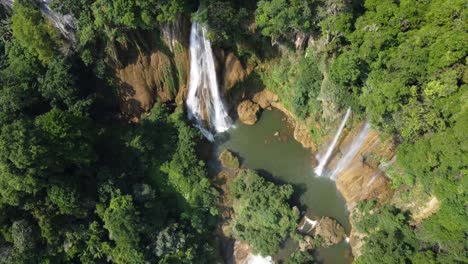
204 102
323 160
351 151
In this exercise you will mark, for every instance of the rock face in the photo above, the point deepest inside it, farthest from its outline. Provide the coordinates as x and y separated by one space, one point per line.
306 244
265 99
362 179
329 232
150 73
228 160
229 69
248 111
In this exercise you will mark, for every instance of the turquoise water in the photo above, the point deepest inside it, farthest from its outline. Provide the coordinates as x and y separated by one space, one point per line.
283 160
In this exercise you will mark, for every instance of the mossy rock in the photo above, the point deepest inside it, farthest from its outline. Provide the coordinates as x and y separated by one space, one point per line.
228 160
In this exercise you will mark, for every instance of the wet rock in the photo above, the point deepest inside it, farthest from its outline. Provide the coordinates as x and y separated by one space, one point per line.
306 244
247 111
233 71
228 160
302 135
329 232
265 98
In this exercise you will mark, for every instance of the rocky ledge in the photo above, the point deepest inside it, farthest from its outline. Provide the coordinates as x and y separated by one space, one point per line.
248 112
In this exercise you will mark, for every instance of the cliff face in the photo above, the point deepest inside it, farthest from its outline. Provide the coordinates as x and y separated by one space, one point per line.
160 66
157 70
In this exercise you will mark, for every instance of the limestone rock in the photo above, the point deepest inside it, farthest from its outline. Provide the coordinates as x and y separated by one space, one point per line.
229 69
247 111
228 160
233 71
302 135
329 232
265 98
307 243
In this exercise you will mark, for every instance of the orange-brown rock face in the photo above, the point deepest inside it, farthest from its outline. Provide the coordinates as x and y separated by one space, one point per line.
158 72
362 179
229 69
142 82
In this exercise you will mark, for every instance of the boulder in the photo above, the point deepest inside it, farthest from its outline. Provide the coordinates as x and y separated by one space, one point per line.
247 111
306 244
265 98
228 160
329 232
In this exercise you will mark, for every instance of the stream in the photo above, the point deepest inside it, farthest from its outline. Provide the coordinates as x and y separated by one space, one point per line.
269 148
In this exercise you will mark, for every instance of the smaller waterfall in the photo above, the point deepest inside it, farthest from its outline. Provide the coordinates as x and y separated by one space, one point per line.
323 160
374 176
352 150
308 221
204 102
381 169
257 259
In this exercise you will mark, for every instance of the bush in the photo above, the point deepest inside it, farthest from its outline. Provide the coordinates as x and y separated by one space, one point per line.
263 218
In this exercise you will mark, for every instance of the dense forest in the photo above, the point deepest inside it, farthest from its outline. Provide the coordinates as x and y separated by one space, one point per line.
81 184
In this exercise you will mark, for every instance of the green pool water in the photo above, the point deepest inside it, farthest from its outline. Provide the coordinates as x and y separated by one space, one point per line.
283 160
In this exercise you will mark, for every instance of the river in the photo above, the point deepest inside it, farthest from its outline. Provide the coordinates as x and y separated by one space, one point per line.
269 148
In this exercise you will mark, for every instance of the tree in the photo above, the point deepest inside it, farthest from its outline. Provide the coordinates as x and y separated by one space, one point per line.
121 220
24 235
31 31
282 18
300 257
58 85
262 216
66 198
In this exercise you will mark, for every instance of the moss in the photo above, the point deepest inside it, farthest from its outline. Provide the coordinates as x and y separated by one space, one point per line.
228 160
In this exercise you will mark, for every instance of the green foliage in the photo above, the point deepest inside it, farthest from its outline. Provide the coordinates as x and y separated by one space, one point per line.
227 24
57 86
23 234
66 198
121 220
228 159
32 32
263 218
389 238
297 80
281 18
300 257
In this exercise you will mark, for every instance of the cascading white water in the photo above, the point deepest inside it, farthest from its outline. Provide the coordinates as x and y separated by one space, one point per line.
204 103
323 160
381 169
351 151
309 221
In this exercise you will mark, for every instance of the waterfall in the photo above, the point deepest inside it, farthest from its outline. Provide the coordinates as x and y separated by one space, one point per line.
323 160
352 150
258 259
204 102
383 166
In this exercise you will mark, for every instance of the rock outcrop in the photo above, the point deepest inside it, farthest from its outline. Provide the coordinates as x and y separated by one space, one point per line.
155 69
228 160
265 99
306 243
229 69
329 232
362 179
247 112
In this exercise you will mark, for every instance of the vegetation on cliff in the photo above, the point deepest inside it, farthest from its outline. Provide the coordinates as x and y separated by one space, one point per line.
79 185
